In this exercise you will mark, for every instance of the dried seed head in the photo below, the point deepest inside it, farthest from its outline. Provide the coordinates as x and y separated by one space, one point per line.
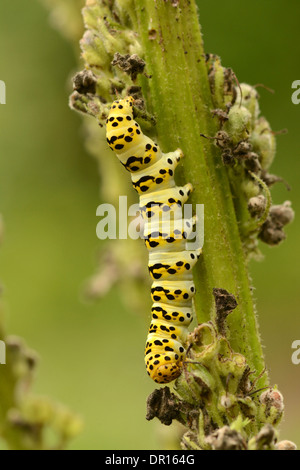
227 158
242 148
162 404
85 82
222 115
265 438
270 179
257 205
271 398
222 139
272 231
225 303
283 213
226 439
130 64
272 406
286 445
271 234
251 162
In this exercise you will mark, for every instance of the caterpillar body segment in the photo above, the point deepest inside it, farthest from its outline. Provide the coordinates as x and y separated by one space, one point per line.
165 203
165 313
168 235
165 233
124 136
173 294
159 176
169 264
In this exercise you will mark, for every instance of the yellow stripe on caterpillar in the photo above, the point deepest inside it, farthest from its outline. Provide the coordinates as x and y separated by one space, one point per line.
170 264
165 203
172 293
168 235
158 176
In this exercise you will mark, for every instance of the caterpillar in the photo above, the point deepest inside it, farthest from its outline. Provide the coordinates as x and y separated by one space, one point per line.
165 235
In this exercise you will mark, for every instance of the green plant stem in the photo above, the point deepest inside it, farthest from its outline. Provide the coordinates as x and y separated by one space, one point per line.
180 98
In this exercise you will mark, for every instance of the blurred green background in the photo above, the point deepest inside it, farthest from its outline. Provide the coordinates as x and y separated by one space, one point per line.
91 355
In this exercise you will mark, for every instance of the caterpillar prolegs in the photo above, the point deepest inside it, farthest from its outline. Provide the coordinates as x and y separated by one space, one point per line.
165 233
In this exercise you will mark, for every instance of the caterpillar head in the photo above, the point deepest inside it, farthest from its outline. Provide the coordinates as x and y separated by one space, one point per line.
121 107
122 132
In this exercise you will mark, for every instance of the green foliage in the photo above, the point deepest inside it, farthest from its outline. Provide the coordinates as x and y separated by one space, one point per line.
26 420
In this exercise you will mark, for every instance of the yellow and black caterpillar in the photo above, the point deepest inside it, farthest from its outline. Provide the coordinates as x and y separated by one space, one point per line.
165 234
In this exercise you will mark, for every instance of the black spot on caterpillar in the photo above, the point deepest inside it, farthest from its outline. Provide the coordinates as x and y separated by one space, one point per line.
165 234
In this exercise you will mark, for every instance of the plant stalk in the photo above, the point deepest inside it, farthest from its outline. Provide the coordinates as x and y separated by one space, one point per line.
179 95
